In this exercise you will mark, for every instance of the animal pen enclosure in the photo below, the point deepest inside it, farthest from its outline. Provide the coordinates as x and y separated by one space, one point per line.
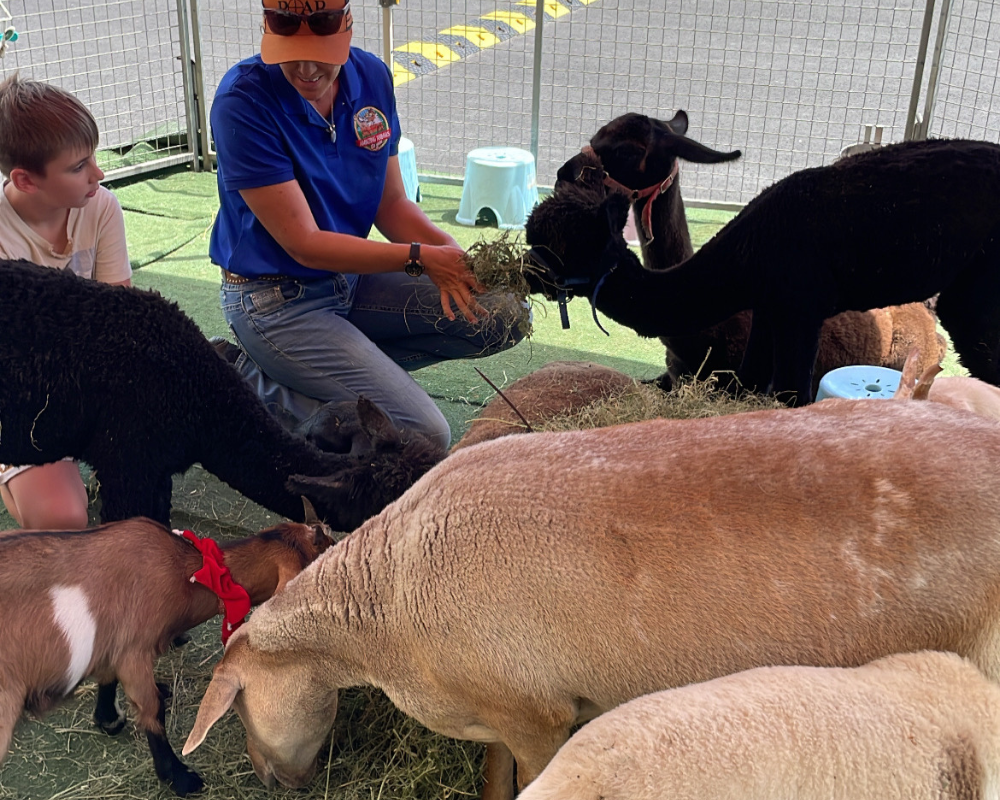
789 82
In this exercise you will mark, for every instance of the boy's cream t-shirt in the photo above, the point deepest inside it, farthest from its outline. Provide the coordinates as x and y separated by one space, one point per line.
96 234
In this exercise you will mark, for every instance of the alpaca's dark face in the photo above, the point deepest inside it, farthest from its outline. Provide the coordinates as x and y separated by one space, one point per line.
584 169
575 236
383 463
640 151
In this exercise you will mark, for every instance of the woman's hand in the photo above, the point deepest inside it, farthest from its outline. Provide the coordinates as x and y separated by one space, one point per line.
445 265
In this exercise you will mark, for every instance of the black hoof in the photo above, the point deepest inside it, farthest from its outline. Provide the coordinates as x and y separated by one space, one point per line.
186 782
165 691
112 727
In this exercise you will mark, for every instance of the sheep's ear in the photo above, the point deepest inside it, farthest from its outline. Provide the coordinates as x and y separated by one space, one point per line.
218 699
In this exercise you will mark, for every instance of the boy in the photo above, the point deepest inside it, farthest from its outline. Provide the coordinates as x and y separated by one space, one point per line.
53 211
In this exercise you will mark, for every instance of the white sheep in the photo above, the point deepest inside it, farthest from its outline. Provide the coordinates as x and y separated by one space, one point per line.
915 726
529 583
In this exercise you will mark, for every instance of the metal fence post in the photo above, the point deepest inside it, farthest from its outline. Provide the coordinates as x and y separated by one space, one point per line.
201 101
536 78
922 130
918 72
187 75
387 30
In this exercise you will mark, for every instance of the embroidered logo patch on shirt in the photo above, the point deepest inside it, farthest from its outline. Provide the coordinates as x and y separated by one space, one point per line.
371 127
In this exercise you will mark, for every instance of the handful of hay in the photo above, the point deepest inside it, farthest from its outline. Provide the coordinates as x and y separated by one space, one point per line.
500 266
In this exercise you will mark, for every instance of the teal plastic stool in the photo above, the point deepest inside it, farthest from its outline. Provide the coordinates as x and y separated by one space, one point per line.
501 179
408 166
858 382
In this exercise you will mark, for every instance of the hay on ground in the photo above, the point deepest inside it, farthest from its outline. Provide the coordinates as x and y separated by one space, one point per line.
692 398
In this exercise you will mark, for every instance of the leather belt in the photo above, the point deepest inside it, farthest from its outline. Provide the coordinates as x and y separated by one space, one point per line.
232 277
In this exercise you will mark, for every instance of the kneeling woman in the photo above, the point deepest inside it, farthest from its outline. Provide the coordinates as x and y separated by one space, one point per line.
306 135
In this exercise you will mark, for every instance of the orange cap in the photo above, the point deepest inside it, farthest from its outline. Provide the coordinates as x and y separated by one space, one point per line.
304 45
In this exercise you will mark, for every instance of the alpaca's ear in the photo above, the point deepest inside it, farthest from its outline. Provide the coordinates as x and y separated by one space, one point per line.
376 424
679 124
690 150
616 207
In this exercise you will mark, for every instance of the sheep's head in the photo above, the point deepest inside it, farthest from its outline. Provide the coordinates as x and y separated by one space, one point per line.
639 151
373 475
285 702
575 236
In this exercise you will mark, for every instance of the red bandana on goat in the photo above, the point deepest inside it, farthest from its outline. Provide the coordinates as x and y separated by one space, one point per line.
215 575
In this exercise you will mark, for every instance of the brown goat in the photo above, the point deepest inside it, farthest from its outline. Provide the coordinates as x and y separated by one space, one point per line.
105 603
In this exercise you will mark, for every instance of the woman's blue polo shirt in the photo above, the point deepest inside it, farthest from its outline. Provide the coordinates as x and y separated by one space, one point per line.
266 133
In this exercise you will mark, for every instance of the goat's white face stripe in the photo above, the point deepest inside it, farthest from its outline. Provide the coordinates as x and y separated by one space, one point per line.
72 615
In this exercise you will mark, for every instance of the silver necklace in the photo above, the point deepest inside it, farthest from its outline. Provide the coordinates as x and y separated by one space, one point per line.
333 125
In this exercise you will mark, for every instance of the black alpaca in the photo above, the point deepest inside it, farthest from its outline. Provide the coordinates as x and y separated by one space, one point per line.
666 242
895 225
122 379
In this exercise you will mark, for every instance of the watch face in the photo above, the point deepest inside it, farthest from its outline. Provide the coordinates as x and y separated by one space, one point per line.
414 269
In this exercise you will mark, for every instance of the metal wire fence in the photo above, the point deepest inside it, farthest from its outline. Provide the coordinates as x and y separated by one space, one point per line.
789 82
125 60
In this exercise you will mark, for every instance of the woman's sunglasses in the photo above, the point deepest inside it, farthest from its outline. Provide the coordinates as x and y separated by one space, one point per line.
321 23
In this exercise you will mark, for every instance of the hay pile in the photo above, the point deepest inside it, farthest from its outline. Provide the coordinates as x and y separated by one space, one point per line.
691 399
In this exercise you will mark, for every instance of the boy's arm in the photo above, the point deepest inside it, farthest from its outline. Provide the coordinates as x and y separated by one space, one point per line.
111 262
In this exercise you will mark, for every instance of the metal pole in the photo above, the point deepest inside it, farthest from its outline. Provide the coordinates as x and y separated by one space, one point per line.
201 101
187 74
387 30
918 73
536 77
935 77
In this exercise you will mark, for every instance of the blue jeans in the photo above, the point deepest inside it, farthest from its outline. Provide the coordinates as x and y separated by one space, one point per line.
308 342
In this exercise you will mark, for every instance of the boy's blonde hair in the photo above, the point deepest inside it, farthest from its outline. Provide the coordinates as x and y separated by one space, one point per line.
38 122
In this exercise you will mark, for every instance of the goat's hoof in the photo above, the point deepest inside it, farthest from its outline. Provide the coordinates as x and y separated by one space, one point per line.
112 727
186 781
165 691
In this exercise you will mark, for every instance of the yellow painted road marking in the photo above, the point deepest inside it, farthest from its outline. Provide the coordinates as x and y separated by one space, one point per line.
480 37
435 52
400 75
552 8
429 56
519 22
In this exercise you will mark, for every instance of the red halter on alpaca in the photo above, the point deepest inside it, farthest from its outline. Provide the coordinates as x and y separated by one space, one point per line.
634 195
234 602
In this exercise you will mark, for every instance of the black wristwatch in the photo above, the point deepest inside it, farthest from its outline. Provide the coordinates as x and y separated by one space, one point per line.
413 267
